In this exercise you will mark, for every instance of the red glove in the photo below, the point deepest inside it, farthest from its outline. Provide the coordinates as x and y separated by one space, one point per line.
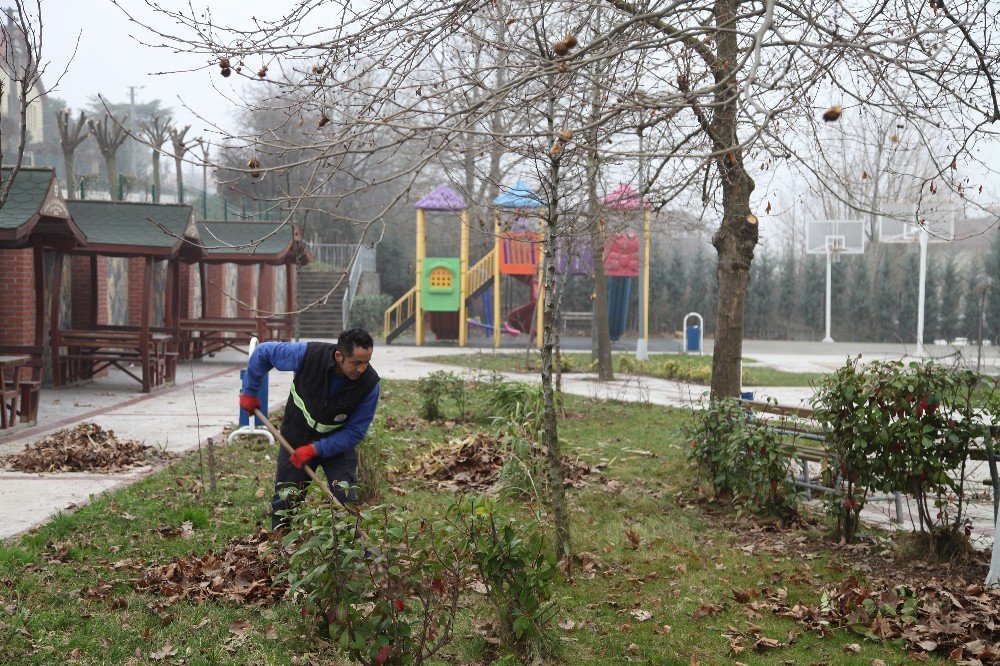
303 454
248 403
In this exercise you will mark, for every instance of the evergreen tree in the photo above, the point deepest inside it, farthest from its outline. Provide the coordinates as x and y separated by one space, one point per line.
841 312
698 287
676 290
971 303
932 303
992 328
788 299
813 294
765 300
856 324
885 303
950 299
907 286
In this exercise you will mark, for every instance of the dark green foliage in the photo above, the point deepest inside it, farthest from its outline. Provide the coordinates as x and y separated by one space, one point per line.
368 312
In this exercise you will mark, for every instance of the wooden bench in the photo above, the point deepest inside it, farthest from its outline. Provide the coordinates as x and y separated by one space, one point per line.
576 318
206 336
805 442
80 354
29 382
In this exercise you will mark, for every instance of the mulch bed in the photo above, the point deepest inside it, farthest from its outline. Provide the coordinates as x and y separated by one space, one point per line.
930 608
474 463
239 573
83 448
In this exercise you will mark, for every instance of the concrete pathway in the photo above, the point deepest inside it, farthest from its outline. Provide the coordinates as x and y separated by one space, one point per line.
204 401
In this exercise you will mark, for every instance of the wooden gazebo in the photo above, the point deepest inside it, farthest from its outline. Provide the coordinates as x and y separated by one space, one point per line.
255 249
34 217
144 233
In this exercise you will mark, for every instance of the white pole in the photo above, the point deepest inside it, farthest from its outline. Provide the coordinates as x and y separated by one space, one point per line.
829 293
923 289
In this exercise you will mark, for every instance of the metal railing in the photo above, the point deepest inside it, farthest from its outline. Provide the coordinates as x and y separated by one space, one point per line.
335 255
364 262
480 273
400 311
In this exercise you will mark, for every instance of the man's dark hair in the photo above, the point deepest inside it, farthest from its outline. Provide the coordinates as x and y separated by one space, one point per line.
348 340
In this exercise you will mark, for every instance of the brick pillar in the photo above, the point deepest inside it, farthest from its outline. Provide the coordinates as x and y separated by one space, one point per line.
246 291
214 296
266 290
136 267
17 307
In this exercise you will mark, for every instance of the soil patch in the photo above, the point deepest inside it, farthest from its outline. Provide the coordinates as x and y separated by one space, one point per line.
240 573
83 448
941 608
475 463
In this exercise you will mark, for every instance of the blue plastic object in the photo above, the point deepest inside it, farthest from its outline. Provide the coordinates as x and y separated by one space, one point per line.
619 289
261 394
747 395
693 339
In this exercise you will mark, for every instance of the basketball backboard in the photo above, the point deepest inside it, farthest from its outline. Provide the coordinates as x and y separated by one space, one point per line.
835 237
901 222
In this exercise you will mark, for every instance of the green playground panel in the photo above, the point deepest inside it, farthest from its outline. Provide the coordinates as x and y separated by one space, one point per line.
439 285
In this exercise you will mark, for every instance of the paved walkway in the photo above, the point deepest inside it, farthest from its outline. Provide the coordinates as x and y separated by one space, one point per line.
204 401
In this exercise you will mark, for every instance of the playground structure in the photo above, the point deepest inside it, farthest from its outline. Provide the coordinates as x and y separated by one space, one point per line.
447 288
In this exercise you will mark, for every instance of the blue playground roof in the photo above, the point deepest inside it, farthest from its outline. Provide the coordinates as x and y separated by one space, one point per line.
519 196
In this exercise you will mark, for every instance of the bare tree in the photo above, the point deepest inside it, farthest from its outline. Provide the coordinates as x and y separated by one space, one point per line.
177 138
155 133
21 62
71 135
110 134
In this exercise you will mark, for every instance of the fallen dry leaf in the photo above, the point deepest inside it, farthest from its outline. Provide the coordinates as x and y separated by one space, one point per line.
852 648
167 650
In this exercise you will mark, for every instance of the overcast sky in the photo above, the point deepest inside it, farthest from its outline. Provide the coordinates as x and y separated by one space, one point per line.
109 59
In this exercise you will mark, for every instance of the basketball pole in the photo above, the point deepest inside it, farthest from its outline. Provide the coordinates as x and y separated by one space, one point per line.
922 291
829 292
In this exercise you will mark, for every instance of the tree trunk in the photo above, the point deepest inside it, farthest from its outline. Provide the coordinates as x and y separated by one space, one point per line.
601 350
737 236
156 176
112 164
70 175
180 180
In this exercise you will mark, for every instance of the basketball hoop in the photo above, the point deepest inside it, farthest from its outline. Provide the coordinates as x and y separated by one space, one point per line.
832 239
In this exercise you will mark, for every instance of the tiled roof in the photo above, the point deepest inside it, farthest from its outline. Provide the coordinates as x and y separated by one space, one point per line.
26 196
265 241
132 226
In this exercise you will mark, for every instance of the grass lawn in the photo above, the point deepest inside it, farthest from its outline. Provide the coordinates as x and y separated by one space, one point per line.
693 369
67 594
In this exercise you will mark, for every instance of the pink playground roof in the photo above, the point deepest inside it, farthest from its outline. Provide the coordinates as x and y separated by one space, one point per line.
623 197
441 197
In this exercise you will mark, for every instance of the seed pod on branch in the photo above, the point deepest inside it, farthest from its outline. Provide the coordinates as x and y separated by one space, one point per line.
570 41
565 135
224 63
556 149
254 166
323 120
226 72
832 114
560 49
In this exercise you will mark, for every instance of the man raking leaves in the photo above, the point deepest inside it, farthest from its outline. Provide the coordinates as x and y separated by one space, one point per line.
332 403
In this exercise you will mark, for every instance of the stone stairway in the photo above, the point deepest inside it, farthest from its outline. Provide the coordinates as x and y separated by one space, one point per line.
321 321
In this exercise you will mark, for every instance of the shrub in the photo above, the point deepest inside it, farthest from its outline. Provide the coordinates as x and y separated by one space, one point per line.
390 599
900 427
435 388
518 572
368 312
742 458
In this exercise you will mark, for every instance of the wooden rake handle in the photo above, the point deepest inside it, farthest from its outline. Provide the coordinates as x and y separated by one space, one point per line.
309 470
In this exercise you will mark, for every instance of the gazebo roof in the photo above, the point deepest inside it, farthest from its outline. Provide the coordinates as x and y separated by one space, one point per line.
243 242
36 206
519 196
441 197
123 228
624 198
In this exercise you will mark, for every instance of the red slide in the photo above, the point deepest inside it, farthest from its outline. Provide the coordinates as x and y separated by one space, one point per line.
523 317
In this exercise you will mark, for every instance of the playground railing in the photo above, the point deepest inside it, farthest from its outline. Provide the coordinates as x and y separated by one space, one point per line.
400 311
364 262
480 273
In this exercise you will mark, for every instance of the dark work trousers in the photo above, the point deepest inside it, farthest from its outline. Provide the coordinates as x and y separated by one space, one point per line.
342 467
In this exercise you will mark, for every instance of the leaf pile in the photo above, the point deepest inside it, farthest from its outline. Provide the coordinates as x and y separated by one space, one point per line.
241 573
84 448
947 616
474 463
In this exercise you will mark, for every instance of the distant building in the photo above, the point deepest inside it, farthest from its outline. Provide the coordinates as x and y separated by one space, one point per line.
13 56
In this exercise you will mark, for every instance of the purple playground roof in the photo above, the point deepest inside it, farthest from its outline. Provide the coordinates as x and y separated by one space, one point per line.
623 197
441 197
519 196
